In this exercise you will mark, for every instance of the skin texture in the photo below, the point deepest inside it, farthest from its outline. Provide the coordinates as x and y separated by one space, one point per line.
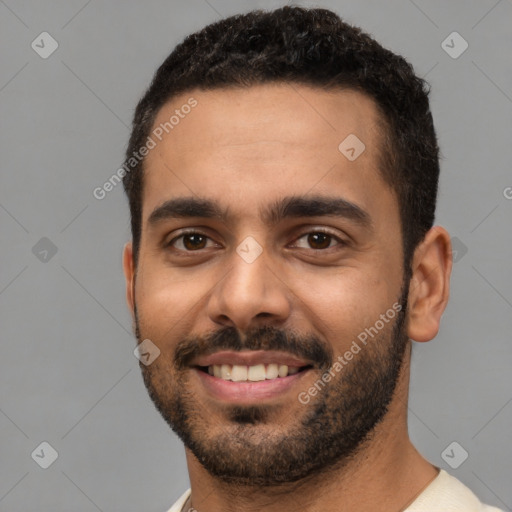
246 149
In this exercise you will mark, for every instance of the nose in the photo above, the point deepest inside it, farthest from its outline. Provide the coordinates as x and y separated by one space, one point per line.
250 295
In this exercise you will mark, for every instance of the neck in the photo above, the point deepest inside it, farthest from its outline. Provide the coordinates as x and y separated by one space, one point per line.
387 473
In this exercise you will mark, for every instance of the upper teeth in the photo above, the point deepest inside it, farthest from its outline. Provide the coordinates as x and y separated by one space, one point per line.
237 372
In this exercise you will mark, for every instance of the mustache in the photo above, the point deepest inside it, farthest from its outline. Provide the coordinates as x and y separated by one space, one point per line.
307 347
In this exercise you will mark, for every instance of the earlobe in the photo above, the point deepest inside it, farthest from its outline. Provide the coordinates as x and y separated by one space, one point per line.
129 274
430 284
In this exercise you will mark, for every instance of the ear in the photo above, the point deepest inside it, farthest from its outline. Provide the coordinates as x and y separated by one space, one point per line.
430 284
129 275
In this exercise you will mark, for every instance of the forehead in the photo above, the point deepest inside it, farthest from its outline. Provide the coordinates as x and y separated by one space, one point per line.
246 144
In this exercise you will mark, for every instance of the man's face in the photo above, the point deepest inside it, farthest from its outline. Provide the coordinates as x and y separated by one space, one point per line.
284 274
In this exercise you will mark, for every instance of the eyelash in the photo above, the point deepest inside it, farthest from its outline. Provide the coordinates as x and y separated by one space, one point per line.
333 237
339 241
183 234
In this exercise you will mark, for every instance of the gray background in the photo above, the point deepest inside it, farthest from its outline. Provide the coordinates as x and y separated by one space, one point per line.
68 373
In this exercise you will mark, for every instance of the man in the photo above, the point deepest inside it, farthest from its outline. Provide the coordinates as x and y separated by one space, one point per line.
282 177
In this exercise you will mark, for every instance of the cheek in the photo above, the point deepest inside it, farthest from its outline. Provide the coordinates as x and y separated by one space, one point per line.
341 304
168 304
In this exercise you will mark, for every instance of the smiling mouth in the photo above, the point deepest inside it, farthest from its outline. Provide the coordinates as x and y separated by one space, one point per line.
254 373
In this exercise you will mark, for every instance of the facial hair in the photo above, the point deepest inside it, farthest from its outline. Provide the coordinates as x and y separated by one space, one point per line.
252 449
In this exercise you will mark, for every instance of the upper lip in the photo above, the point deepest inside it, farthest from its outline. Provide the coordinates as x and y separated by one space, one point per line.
249 358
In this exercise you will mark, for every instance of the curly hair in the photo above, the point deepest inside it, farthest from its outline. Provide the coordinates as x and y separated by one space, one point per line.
312 47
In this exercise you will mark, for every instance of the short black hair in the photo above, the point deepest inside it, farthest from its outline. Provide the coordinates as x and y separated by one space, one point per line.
311 47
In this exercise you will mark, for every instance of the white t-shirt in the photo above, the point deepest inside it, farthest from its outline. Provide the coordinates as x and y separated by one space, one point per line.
444 494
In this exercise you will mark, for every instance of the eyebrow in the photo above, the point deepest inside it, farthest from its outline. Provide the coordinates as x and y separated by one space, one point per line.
315 206
287 207
185 207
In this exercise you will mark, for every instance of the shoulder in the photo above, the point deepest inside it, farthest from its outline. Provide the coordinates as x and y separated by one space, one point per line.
178 505
448 494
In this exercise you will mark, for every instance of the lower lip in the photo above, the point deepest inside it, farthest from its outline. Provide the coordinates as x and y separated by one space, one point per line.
248 392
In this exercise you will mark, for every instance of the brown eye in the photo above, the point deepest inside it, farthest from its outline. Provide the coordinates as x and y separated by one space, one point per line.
319 240
194 241
189 242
